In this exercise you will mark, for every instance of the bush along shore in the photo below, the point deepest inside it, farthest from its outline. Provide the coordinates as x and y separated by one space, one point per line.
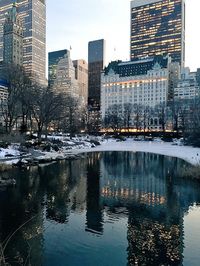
33 153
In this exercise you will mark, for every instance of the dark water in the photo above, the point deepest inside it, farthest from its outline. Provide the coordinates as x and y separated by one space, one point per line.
112 208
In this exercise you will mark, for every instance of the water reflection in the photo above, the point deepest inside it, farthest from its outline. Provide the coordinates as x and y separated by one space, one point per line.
139 194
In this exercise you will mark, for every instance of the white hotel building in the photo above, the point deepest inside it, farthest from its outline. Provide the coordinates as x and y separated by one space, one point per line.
143 82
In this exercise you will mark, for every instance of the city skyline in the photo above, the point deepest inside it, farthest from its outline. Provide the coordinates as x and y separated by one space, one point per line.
33 15
77 27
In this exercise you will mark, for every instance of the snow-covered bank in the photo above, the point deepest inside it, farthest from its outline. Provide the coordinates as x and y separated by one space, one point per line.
73 149
187 153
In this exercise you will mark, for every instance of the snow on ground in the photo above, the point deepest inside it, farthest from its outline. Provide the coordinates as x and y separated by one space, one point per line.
187 153
83 144
11 150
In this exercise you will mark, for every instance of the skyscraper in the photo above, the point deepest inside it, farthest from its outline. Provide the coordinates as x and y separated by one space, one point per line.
53 60
65 77
33 16
96 61
13 38
158 27
81 74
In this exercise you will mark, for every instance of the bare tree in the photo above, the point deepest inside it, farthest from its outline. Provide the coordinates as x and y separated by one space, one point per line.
46 107
138 116
91 120
113 118
127 115
161 112
146 116
192 123
72 115
10 109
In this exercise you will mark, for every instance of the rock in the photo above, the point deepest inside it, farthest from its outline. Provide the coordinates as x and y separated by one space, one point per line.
9 155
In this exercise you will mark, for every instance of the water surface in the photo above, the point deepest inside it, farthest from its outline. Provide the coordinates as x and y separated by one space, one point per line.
109 208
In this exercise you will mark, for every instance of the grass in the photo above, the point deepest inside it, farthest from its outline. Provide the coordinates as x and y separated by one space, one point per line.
5 243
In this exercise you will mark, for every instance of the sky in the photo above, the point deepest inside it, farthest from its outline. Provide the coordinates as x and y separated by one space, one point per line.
76 22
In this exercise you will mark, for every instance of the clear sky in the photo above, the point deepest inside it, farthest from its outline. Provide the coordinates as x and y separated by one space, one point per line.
74 23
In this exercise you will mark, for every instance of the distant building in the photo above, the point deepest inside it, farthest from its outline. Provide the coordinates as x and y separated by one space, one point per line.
53 59
81 74
96 62
174 77
13 38
158 28
198 77
3 98
187 87
33 16
65 80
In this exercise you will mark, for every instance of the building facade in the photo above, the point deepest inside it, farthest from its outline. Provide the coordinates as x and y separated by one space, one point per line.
142 83
96 61
187 87
81 74
65 81
53 59
13 38
158 28
33 16
3 99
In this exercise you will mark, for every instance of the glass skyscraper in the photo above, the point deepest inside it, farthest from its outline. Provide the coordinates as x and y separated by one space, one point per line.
158 27
96 61
33 16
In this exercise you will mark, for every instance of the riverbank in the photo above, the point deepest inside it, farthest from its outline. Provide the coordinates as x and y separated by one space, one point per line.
187 153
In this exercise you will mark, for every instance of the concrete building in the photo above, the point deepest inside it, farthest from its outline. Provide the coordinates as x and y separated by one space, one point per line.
142 82
158 28
13 38
198 76
53 59
187 87
96 62
33 16
81 74
65 80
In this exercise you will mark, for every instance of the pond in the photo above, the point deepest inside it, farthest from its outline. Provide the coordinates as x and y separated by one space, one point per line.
107 209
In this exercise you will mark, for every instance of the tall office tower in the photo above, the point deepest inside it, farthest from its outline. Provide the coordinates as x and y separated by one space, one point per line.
33 16
13 38
158 27
81 74
65 81
54 58
96 61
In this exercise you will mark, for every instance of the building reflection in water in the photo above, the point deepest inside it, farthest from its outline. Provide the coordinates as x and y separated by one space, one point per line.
145 188
94 212
155 200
